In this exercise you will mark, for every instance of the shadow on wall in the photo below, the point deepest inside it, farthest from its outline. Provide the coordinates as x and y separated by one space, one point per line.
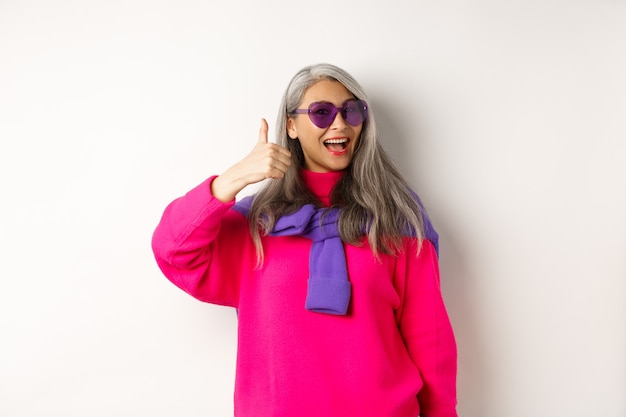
458 281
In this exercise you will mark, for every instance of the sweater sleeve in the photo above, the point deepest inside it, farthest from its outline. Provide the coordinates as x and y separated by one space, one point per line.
426 329
203 246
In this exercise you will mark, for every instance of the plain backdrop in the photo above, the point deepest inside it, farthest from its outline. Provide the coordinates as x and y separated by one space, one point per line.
508 118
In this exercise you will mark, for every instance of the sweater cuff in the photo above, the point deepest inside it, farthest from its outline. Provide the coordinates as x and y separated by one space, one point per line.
330 296
201 201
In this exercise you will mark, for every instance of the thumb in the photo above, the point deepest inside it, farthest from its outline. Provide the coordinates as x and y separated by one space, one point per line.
263 131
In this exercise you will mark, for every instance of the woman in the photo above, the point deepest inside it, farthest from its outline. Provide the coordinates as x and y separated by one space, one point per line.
332 266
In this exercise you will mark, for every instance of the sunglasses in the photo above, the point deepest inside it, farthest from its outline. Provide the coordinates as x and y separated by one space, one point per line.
323 113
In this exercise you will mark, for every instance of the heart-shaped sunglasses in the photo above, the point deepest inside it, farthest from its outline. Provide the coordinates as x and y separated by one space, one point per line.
323 113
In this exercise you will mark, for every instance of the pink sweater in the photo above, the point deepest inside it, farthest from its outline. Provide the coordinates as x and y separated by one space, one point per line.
392 355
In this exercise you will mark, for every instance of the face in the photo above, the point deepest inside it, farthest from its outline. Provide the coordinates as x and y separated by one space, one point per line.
325 149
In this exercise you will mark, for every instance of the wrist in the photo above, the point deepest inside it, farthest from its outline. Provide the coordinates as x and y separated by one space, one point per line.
223 189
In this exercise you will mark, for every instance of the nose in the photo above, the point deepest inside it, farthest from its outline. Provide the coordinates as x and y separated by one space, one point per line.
338 122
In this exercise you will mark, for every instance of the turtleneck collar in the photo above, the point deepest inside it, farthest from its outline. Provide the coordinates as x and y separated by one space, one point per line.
321 184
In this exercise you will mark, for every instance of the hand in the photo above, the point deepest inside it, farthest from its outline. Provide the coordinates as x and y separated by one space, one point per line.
266 160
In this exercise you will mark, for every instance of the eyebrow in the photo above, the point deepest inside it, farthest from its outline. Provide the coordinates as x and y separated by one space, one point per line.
328 101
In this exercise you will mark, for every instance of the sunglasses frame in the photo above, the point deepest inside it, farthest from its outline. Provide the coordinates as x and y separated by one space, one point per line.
323 121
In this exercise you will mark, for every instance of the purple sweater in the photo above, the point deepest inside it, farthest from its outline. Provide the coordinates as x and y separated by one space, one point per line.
392 354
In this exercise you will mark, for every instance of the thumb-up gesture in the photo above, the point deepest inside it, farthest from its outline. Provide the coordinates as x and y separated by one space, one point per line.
266 160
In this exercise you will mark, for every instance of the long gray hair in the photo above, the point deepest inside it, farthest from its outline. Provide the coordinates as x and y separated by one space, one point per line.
373 197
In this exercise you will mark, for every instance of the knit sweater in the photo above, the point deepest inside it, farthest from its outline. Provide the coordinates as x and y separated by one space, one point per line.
392 355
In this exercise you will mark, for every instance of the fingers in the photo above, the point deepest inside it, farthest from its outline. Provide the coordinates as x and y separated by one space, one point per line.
265 160
263 134
263 131
279 167
283 153
271 160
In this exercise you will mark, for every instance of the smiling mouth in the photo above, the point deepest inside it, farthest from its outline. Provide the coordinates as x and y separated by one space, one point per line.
336 145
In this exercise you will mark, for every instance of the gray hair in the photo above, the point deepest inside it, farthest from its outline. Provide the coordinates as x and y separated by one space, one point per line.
372 195
294 95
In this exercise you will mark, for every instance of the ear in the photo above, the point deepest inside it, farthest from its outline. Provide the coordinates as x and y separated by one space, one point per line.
291 128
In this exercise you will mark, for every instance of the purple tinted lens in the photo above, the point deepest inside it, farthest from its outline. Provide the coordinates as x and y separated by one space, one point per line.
322 114
353 112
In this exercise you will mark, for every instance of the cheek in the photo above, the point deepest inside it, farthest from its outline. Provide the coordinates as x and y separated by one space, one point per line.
305 128
357 134
310 132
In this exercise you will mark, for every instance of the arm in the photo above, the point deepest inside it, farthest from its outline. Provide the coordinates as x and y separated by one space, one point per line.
427 331
267 160
199 245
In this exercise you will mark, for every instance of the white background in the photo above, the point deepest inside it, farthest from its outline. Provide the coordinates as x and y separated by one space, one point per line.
508 117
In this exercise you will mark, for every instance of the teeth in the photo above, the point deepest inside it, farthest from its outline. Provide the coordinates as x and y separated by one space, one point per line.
336 140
